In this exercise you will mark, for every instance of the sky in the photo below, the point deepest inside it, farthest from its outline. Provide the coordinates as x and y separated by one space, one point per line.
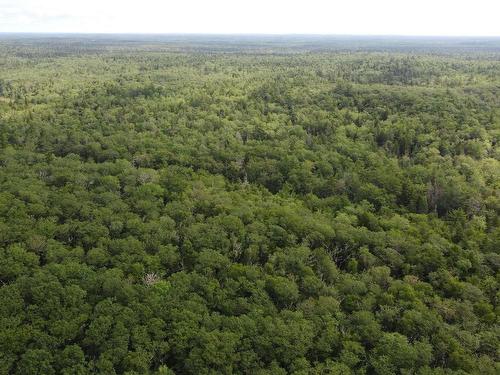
346 17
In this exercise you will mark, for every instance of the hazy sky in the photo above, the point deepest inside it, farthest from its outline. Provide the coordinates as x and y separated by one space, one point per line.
401 17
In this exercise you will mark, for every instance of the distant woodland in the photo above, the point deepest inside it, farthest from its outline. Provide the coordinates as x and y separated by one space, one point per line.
224 205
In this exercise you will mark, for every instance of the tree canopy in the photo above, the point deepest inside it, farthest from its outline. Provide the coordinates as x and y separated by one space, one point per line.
176 207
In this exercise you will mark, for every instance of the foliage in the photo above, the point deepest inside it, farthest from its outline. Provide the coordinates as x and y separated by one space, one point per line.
165 208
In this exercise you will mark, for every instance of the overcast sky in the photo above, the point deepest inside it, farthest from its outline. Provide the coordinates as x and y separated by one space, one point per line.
379 17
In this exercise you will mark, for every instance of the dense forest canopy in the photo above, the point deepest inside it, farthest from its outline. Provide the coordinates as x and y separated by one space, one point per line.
249 205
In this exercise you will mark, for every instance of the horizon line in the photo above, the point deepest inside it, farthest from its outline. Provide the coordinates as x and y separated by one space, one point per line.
245 34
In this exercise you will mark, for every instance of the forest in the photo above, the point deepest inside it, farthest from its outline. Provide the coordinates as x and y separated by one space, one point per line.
244 205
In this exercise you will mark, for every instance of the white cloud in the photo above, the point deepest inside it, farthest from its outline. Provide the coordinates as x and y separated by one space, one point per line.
416 17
